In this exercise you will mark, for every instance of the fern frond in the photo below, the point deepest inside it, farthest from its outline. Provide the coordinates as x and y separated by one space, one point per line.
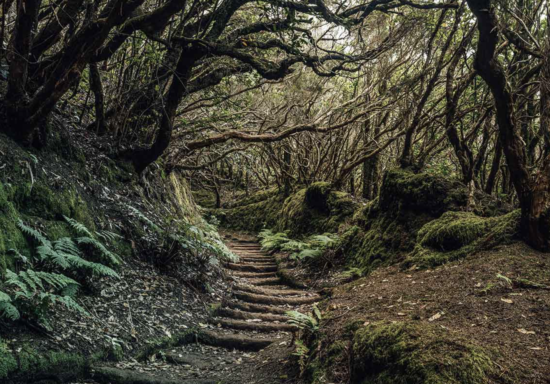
57 280
104 252
79 228
145 219
4 297
33 233
95 268
70 304
308 254
9 311
14 281
108 235
45 252
66 245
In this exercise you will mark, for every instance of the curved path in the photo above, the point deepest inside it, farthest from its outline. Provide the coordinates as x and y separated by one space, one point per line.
251 339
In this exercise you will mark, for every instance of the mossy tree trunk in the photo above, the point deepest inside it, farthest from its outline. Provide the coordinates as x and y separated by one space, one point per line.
533 192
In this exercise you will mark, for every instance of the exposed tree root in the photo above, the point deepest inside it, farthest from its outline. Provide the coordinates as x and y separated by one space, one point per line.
264 281
252 267
241 315
242 343
251 326
263 299
268 291
254 307
253 275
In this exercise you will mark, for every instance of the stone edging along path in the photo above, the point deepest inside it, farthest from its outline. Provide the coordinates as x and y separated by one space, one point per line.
252 319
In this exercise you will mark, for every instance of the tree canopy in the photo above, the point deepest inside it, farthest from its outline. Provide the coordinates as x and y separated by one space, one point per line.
286 93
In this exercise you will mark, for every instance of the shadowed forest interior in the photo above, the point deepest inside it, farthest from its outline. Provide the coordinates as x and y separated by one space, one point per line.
274 191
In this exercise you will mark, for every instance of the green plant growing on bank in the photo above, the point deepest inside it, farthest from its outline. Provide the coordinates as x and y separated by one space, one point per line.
310 248
183 239
68 253
308 323
29 293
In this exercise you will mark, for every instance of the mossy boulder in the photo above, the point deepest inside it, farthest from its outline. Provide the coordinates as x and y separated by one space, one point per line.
254 216
29 364
421 192
405 353
421 218
458 234
316 209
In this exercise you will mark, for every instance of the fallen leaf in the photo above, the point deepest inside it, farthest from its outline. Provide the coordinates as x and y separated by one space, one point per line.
436 316
506 300
525 331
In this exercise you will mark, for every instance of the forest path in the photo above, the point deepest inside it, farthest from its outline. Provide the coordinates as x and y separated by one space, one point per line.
251 341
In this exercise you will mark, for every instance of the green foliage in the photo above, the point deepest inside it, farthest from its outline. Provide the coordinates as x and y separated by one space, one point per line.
311 248
67 253
401 353
309 323
272 241
31 293
29 364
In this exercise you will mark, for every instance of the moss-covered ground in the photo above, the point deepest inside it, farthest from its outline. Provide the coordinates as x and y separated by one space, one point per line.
467 321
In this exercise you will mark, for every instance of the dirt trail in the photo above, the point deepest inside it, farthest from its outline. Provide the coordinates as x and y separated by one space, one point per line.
250 339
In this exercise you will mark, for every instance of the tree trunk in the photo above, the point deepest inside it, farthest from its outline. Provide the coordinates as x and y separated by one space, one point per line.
141 158
533 195
286 169
16 97
495 166
97 88
370 178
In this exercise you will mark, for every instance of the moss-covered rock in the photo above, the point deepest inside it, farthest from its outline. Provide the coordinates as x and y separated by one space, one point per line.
315 209
27 364
403 353
251 217
43 201
458 234
423 192
421 218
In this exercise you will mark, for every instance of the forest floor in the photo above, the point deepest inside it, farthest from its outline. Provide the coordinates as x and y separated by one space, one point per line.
496 299
249 340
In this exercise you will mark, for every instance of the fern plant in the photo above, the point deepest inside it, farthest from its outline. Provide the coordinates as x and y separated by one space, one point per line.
66 254
273 241
309 323
32 293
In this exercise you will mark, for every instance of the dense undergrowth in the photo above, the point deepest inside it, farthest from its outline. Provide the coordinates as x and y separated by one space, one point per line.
69 216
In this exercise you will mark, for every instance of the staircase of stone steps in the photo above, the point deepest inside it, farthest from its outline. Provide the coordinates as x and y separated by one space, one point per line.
247 325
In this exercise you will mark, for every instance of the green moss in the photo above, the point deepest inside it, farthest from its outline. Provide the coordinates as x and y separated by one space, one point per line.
29 363
253 217
315 209
49 204
453 230
206 199
398 353
427 193
10 235
458 234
